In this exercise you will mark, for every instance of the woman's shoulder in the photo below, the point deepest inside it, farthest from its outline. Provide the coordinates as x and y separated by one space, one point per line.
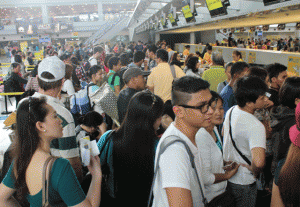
103 138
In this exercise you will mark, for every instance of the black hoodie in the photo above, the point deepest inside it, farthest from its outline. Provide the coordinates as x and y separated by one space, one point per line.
282 119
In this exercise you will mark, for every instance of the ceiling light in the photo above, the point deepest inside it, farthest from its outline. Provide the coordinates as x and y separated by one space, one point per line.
198 4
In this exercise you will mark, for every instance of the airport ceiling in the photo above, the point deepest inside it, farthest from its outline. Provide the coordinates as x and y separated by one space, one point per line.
64 10
147 9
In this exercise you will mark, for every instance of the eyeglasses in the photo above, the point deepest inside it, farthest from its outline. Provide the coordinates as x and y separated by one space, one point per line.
203 108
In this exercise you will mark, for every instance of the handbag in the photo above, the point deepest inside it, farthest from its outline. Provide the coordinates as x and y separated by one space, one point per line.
166 143
106 98
46 181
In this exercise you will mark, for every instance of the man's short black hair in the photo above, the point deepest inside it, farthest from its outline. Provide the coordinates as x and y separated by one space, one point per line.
209 47
184 87
248 89
113 61
138 56
98 49
163 55
238 68
258 72
152 48
275 69
124 58
93 70
289 91
187 46
13 52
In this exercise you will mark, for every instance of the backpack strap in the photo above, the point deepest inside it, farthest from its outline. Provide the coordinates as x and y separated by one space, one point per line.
113 78
224 83
233 142
163 146
173 71
87 88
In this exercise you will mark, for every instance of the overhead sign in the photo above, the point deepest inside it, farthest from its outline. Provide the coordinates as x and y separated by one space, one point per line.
187 12
214 4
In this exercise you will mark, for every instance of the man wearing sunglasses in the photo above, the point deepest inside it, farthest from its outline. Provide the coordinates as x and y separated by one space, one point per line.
176 182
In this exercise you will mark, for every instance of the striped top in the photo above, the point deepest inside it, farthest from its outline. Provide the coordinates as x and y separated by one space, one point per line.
65 147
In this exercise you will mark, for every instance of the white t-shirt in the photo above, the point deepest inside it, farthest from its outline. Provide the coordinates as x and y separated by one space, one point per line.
107 50
248 133
68 87
212 163
60 53
12 59
93 61
175 170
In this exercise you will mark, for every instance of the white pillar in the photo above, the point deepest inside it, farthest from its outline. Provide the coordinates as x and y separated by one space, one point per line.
45 14
192 38
100 11
157 37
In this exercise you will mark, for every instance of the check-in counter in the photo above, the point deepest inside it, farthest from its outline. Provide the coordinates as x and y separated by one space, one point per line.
261 57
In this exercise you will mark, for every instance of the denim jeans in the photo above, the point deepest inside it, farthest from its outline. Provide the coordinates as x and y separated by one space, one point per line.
244 195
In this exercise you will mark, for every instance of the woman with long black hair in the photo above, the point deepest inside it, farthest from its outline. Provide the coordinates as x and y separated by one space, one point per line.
132 151
37 125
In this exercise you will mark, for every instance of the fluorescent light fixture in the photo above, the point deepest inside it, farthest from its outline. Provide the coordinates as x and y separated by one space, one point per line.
274 25
198 4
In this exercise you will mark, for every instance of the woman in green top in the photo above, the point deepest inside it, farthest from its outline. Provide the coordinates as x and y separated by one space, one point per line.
37 125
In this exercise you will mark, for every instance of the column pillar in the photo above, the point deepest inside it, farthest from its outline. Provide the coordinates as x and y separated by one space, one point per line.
100 11
45 14
157 37
192 38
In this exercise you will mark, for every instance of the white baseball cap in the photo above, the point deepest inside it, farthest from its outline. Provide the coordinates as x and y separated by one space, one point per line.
54 66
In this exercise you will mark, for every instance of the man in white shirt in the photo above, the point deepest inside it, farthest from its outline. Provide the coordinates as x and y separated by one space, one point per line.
96 55
13 53
176 182
107 48
249 135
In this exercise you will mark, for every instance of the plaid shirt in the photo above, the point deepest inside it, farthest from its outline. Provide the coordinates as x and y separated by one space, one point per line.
80 73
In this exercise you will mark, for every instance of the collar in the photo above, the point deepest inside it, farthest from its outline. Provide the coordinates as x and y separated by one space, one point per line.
111 71
216 66
163 64
48 98
178 133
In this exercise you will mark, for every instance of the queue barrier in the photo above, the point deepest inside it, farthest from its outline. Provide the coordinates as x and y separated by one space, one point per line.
5 97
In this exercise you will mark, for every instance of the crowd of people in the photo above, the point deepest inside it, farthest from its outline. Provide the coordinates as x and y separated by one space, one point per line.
237 126
286 45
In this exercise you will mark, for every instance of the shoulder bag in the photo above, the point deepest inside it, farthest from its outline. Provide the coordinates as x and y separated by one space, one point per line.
46 180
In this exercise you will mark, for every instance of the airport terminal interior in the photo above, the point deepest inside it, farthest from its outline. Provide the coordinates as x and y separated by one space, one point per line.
237 52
